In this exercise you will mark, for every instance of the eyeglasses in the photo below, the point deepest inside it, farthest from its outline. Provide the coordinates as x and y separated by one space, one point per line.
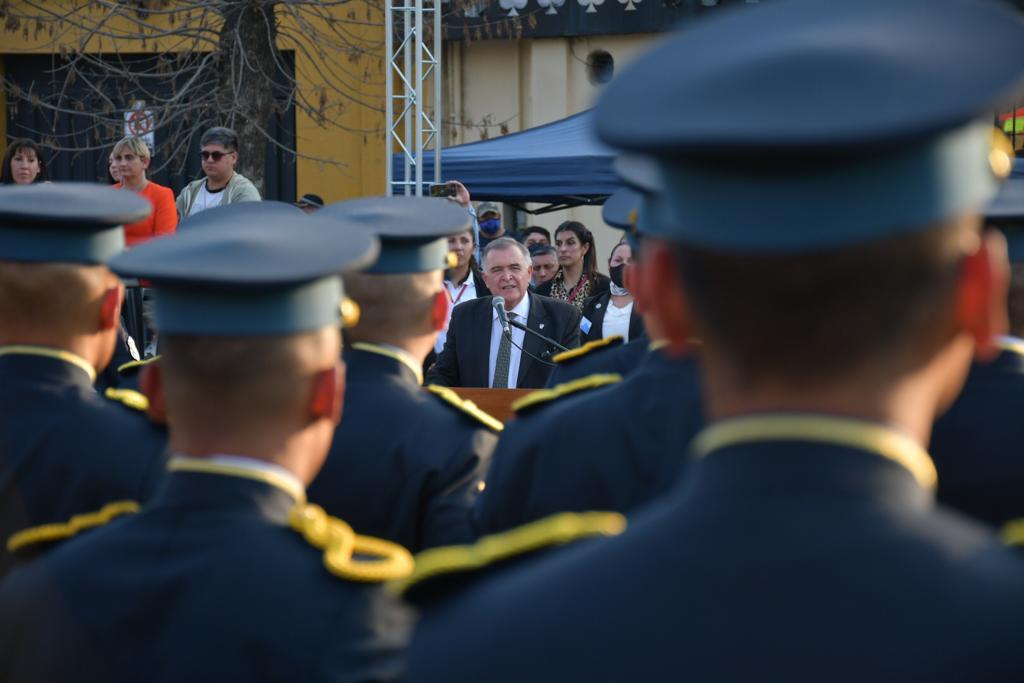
214 156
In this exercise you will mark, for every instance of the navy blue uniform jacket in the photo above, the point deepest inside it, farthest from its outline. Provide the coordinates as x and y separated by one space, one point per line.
630 445
64 449
404 465
207 583
621 359
463 362
781 558
978 445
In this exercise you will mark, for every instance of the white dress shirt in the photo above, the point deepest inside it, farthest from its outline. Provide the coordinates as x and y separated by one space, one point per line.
522 313
457 294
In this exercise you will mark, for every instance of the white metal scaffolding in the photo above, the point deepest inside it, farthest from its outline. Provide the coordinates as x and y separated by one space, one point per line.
414 64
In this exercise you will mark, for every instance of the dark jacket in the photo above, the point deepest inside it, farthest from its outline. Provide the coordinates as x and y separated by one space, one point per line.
66 450
776 560
594 309
619 358
415 484
630 447
977 444
464 360
207 583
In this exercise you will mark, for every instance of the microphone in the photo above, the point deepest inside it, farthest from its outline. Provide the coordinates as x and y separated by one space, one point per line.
499 307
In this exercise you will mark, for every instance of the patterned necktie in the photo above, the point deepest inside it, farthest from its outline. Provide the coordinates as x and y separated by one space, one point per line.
503 360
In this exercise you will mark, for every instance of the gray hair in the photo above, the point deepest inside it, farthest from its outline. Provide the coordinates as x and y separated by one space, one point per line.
219 135
503 243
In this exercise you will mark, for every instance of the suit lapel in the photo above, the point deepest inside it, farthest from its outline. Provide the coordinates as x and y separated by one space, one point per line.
481 359
532 344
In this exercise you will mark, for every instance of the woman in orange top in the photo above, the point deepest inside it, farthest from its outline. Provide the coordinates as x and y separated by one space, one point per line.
131 158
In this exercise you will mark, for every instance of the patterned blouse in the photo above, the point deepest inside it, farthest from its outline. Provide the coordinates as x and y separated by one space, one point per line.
579 293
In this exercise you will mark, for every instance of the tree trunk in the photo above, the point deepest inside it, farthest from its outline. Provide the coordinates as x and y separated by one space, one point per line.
248 47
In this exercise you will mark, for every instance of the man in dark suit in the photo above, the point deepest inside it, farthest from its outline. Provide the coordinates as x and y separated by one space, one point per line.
64 448
227 574
412 482
840 298
478 354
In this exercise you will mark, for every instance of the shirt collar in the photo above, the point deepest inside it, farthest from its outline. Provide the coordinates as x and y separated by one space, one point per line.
522 309
47 352
395 353
873 437
242 466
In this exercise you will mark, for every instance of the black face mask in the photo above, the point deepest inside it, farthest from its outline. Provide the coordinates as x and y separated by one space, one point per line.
615 272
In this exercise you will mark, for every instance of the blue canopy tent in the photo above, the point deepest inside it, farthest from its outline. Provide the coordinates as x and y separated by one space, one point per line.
560 164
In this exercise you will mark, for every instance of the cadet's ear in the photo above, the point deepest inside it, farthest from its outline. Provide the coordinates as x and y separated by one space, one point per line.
981 297
110 307
151 383
661 275
328 393
439 314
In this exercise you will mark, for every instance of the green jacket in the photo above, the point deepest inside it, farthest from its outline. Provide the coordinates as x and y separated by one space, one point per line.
239 189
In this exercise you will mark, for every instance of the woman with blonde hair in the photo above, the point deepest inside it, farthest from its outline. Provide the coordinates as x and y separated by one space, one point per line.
131 158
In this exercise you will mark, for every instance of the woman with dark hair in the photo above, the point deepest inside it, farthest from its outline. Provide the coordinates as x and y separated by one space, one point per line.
577 279
23 163
462 282
613 313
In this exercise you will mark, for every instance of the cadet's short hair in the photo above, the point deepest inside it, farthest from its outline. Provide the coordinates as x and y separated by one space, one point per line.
236 379
133 144
392 307
503 243
810 319
219 135
50 296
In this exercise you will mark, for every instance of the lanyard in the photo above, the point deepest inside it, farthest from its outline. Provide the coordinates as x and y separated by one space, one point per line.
462 291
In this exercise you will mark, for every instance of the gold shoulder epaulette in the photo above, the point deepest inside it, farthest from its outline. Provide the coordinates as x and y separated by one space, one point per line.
541 396
385 561
128 397
613 340
1011 344
468 407
135 364
1012 533
48 533
559 529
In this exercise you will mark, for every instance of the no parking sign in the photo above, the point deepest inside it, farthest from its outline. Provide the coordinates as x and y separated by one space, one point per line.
140 122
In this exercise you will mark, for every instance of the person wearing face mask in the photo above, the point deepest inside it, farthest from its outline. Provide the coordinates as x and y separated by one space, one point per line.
612 313
22 164
489 219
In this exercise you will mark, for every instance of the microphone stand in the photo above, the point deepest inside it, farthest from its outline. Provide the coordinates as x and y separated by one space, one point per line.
551 342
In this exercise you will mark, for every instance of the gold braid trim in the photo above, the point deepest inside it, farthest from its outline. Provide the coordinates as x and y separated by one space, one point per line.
583 383
587 348
339 543
47 533
128 397
132 364
1012 533
468 407
555 530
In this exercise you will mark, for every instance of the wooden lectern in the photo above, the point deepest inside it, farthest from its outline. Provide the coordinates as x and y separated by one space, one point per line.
497 402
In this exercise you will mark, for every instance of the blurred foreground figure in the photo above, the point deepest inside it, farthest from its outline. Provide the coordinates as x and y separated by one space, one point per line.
227 574
840 290
405 465
64 449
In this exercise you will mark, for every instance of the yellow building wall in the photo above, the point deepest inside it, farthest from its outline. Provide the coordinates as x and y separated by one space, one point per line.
346 157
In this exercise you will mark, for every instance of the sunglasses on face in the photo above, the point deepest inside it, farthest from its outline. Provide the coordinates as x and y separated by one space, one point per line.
214 156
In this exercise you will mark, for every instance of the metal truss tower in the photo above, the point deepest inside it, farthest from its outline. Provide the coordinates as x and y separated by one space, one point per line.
414 65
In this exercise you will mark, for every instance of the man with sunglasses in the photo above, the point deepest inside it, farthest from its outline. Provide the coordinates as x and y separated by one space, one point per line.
220 185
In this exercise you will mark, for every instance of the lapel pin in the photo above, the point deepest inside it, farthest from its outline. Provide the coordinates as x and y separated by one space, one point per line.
541 326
